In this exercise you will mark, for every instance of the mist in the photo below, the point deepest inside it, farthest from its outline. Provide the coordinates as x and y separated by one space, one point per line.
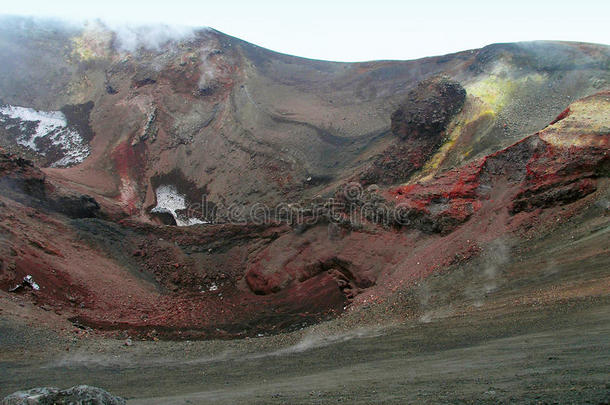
488 276
126 36
132 37
354 31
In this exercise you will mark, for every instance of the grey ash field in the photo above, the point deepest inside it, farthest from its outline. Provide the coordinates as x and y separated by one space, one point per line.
465 258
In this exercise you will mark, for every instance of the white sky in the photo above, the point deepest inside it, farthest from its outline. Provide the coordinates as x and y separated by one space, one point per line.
353 30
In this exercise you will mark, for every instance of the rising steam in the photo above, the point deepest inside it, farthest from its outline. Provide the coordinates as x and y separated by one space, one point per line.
131 38
489 277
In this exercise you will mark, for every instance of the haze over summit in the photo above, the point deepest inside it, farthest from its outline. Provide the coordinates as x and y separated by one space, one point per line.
352 31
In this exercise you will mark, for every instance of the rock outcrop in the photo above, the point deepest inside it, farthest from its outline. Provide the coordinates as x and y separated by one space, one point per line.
79 395
428 109
419 123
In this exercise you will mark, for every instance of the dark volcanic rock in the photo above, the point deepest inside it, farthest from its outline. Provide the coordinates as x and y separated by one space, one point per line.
76 206
165 218
21 176
419 122
428 109
79 118
82 395
398 162
21 180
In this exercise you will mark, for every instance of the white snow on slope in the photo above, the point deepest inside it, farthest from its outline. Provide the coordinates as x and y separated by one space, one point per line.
52 125
169 200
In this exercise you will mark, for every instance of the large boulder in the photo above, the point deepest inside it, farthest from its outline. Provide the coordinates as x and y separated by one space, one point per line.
420 123
428 109
79 395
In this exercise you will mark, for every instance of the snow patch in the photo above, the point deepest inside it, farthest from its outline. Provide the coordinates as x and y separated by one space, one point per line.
52 125
169 201
30 280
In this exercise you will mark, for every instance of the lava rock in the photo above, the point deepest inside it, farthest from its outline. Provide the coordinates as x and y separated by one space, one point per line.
419 123
428 109
76 206
82 395
22 180
21 176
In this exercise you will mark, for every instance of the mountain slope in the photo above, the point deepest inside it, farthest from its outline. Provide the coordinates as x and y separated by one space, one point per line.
333 185
243 125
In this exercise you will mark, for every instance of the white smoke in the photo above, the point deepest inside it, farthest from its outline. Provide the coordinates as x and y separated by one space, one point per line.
425 297
495 256
131 38
435 314
423 294
209 70
124 358
315 339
